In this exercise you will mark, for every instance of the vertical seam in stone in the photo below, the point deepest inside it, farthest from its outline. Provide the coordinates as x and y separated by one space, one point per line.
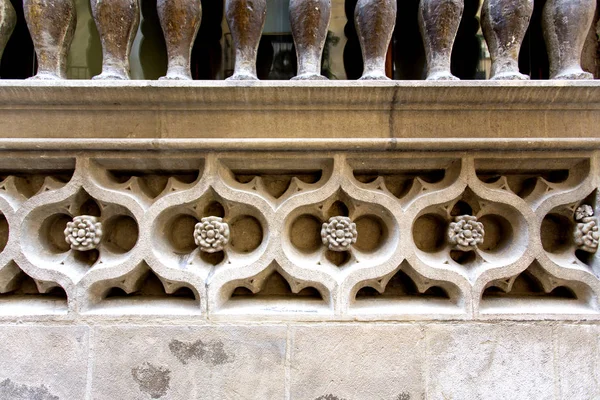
90 363
288 364
391 119
427 360
555 359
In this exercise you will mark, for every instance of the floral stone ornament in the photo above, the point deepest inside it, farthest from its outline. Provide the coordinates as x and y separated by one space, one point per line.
339 233
83 233
211 234
465 233
586 233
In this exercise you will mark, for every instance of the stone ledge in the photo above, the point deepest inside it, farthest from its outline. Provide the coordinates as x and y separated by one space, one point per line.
335 109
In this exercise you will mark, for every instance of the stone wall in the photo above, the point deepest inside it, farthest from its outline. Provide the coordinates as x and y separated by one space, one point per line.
367 259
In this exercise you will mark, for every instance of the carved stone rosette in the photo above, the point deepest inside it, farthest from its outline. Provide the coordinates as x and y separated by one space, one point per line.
246 20
375 21
504 23
586 235
439 21
8 21
309 20
566 24
52 26
465 233
211 234
117 22
339 233
83 233
180 21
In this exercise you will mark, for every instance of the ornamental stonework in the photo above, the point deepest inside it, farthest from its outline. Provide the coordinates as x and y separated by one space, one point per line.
586 235
211 234
339 233
465 233
83 233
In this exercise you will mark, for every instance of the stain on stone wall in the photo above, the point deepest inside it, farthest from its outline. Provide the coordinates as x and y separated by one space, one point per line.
152 380
211 352
15 391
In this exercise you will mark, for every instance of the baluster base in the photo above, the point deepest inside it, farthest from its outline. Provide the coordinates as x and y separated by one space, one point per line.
573 74
242 76
441 76
309 76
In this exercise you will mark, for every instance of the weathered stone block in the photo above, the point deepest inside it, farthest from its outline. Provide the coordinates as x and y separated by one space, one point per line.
227 362
578 359
43 362
350 362
490 361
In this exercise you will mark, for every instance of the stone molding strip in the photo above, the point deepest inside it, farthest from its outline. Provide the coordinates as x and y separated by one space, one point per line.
328 109
309 144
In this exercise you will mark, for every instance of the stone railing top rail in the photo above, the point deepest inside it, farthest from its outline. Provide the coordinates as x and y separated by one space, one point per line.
292 94
328 109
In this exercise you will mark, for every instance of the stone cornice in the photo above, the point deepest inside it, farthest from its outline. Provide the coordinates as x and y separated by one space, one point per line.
336 109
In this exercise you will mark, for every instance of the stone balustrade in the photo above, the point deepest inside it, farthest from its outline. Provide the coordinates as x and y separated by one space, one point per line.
128 198
504 23
329 236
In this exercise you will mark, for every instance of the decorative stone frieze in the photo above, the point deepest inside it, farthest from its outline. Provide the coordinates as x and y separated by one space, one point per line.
339 233
586 234
328 234
465 233
83 233
211 234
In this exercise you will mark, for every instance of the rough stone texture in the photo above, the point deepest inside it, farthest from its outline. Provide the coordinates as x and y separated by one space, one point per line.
357 362
566 24
375 21
309 20
43 362
504 24
52 26
180 21
117 22
8 21
439 21
577 352
490 362
246 20
189 362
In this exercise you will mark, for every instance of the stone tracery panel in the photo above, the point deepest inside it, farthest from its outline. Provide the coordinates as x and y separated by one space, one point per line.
298 236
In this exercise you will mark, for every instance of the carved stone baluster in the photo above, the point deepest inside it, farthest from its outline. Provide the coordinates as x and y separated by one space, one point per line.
310 20
180 21
51 24
246 20
566 24
117 22
8 21
439 21
504 23
375 21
